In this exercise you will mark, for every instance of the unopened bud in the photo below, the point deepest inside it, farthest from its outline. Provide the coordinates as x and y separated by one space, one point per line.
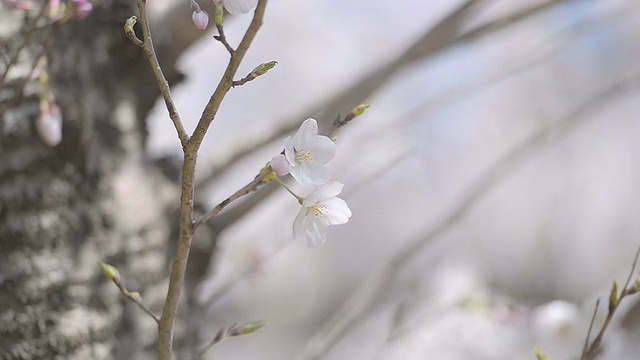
219 14
200 18
357 111
636 284
263 68
249 328
80 9
49 123
613 297
110 272
280 165
128 25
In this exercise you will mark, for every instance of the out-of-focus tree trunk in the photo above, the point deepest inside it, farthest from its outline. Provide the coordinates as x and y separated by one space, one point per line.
90 198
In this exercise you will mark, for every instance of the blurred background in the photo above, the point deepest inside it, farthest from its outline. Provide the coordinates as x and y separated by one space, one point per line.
493 182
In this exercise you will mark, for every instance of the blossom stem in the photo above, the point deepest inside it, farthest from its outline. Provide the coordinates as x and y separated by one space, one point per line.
300 199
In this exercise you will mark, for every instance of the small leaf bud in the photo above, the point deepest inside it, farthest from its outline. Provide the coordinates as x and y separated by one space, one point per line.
357 111
249 328
613 297
262 69
110 272
219 14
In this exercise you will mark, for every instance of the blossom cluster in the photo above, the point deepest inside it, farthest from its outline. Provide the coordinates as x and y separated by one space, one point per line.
305 157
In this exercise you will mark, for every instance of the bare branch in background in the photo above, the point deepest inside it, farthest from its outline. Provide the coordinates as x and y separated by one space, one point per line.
365 295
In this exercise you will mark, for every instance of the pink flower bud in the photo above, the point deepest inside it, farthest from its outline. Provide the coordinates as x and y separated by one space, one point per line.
80 9
280 165
17 4
200 19
49 124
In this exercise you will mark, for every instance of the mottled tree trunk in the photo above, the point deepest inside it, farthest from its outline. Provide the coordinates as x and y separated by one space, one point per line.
90 198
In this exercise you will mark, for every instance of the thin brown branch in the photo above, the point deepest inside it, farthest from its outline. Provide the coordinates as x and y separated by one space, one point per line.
137 299
159 75
247 189
223 39
593 320
29 31
594 348
191 146
233 331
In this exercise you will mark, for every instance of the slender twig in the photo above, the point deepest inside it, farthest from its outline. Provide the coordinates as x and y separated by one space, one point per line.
30 29
157 71
614 304
247 189
233 331
136 298
187 225
223 39
593 320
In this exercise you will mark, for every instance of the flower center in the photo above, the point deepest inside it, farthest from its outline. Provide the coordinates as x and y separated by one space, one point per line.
305 156
317 211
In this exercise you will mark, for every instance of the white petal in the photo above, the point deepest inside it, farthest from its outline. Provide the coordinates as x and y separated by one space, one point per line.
315 232
315 174
301 174
328 191
239 6
298 223
338 211
323 148
289 150
307 132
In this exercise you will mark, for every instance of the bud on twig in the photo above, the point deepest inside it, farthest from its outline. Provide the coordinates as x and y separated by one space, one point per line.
357 111
263 68
248 328
219 14
110 272
131 34
613 297
257 71
200 18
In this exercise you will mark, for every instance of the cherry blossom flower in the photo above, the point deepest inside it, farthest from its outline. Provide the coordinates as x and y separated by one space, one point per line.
236 7
280 165
307 153
319 210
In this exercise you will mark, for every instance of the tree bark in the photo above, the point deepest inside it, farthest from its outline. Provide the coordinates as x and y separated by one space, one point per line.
93 197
